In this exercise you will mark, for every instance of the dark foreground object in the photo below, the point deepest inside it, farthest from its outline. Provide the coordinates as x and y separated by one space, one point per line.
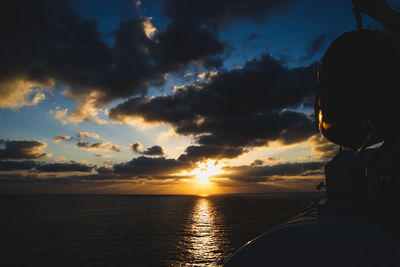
328 234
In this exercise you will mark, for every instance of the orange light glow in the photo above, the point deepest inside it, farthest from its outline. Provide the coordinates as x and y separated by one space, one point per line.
320 116
205 170
323 124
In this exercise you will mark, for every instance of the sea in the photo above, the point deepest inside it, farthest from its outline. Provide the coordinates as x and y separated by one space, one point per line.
137 230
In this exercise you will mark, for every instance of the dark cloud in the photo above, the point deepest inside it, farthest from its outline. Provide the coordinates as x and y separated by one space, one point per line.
261 85
182 43
157 168
154 151
23 150
105 170
286 127
136 147
8 165
200 153
99 146
132 72
160 168
257 162
244 107
150 151
263 173
223 11
47 43
316 45
65 167
323 148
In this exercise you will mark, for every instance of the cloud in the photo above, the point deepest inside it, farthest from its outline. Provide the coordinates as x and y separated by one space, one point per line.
59 159
136 147
63 46
105 170
19 93
244 107
88 108
61 115
149 29
286 127
185 42
206 76
65 167
316 45
23 150
261 85
274 160
257 162
256 173
6 165
203 152
322 148
61 138
83 135
102 156
45 167
80 135
150 151
154 151
99 146
67 49
152 168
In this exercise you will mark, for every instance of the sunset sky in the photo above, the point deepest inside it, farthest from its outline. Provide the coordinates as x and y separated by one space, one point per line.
163 96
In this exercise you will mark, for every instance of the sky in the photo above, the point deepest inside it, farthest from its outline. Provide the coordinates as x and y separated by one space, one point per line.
163 96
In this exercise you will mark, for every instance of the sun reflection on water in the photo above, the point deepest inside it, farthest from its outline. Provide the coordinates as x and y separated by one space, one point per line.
203 242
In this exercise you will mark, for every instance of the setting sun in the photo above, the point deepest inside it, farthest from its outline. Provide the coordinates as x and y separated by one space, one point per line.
205 170
202 179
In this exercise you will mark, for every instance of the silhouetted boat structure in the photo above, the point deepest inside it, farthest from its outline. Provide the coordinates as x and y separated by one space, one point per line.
358 223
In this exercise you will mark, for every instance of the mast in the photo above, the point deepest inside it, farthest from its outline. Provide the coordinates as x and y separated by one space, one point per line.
379 11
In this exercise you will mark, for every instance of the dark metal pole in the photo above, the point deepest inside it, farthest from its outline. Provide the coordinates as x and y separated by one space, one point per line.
377 10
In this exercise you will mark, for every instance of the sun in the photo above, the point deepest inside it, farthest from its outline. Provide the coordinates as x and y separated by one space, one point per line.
205 170
202 179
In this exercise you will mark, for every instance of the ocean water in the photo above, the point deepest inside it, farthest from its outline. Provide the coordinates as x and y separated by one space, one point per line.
137 230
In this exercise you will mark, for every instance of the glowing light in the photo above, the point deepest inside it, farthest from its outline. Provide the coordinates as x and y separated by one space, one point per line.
205 170
323 124
202 179
203 244
320 116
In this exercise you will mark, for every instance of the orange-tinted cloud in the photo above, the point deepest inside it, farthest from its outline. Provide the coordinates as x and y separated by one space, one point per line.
23 150
99 146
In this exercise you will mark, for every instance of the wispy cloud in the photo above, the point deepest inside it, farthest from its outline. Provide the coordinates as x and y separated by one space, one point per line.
99 146
83 135
61 138
19 93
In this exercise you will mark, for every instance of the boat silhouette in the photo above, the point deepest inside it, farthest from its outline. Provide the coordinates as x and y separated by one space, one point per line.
357 223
